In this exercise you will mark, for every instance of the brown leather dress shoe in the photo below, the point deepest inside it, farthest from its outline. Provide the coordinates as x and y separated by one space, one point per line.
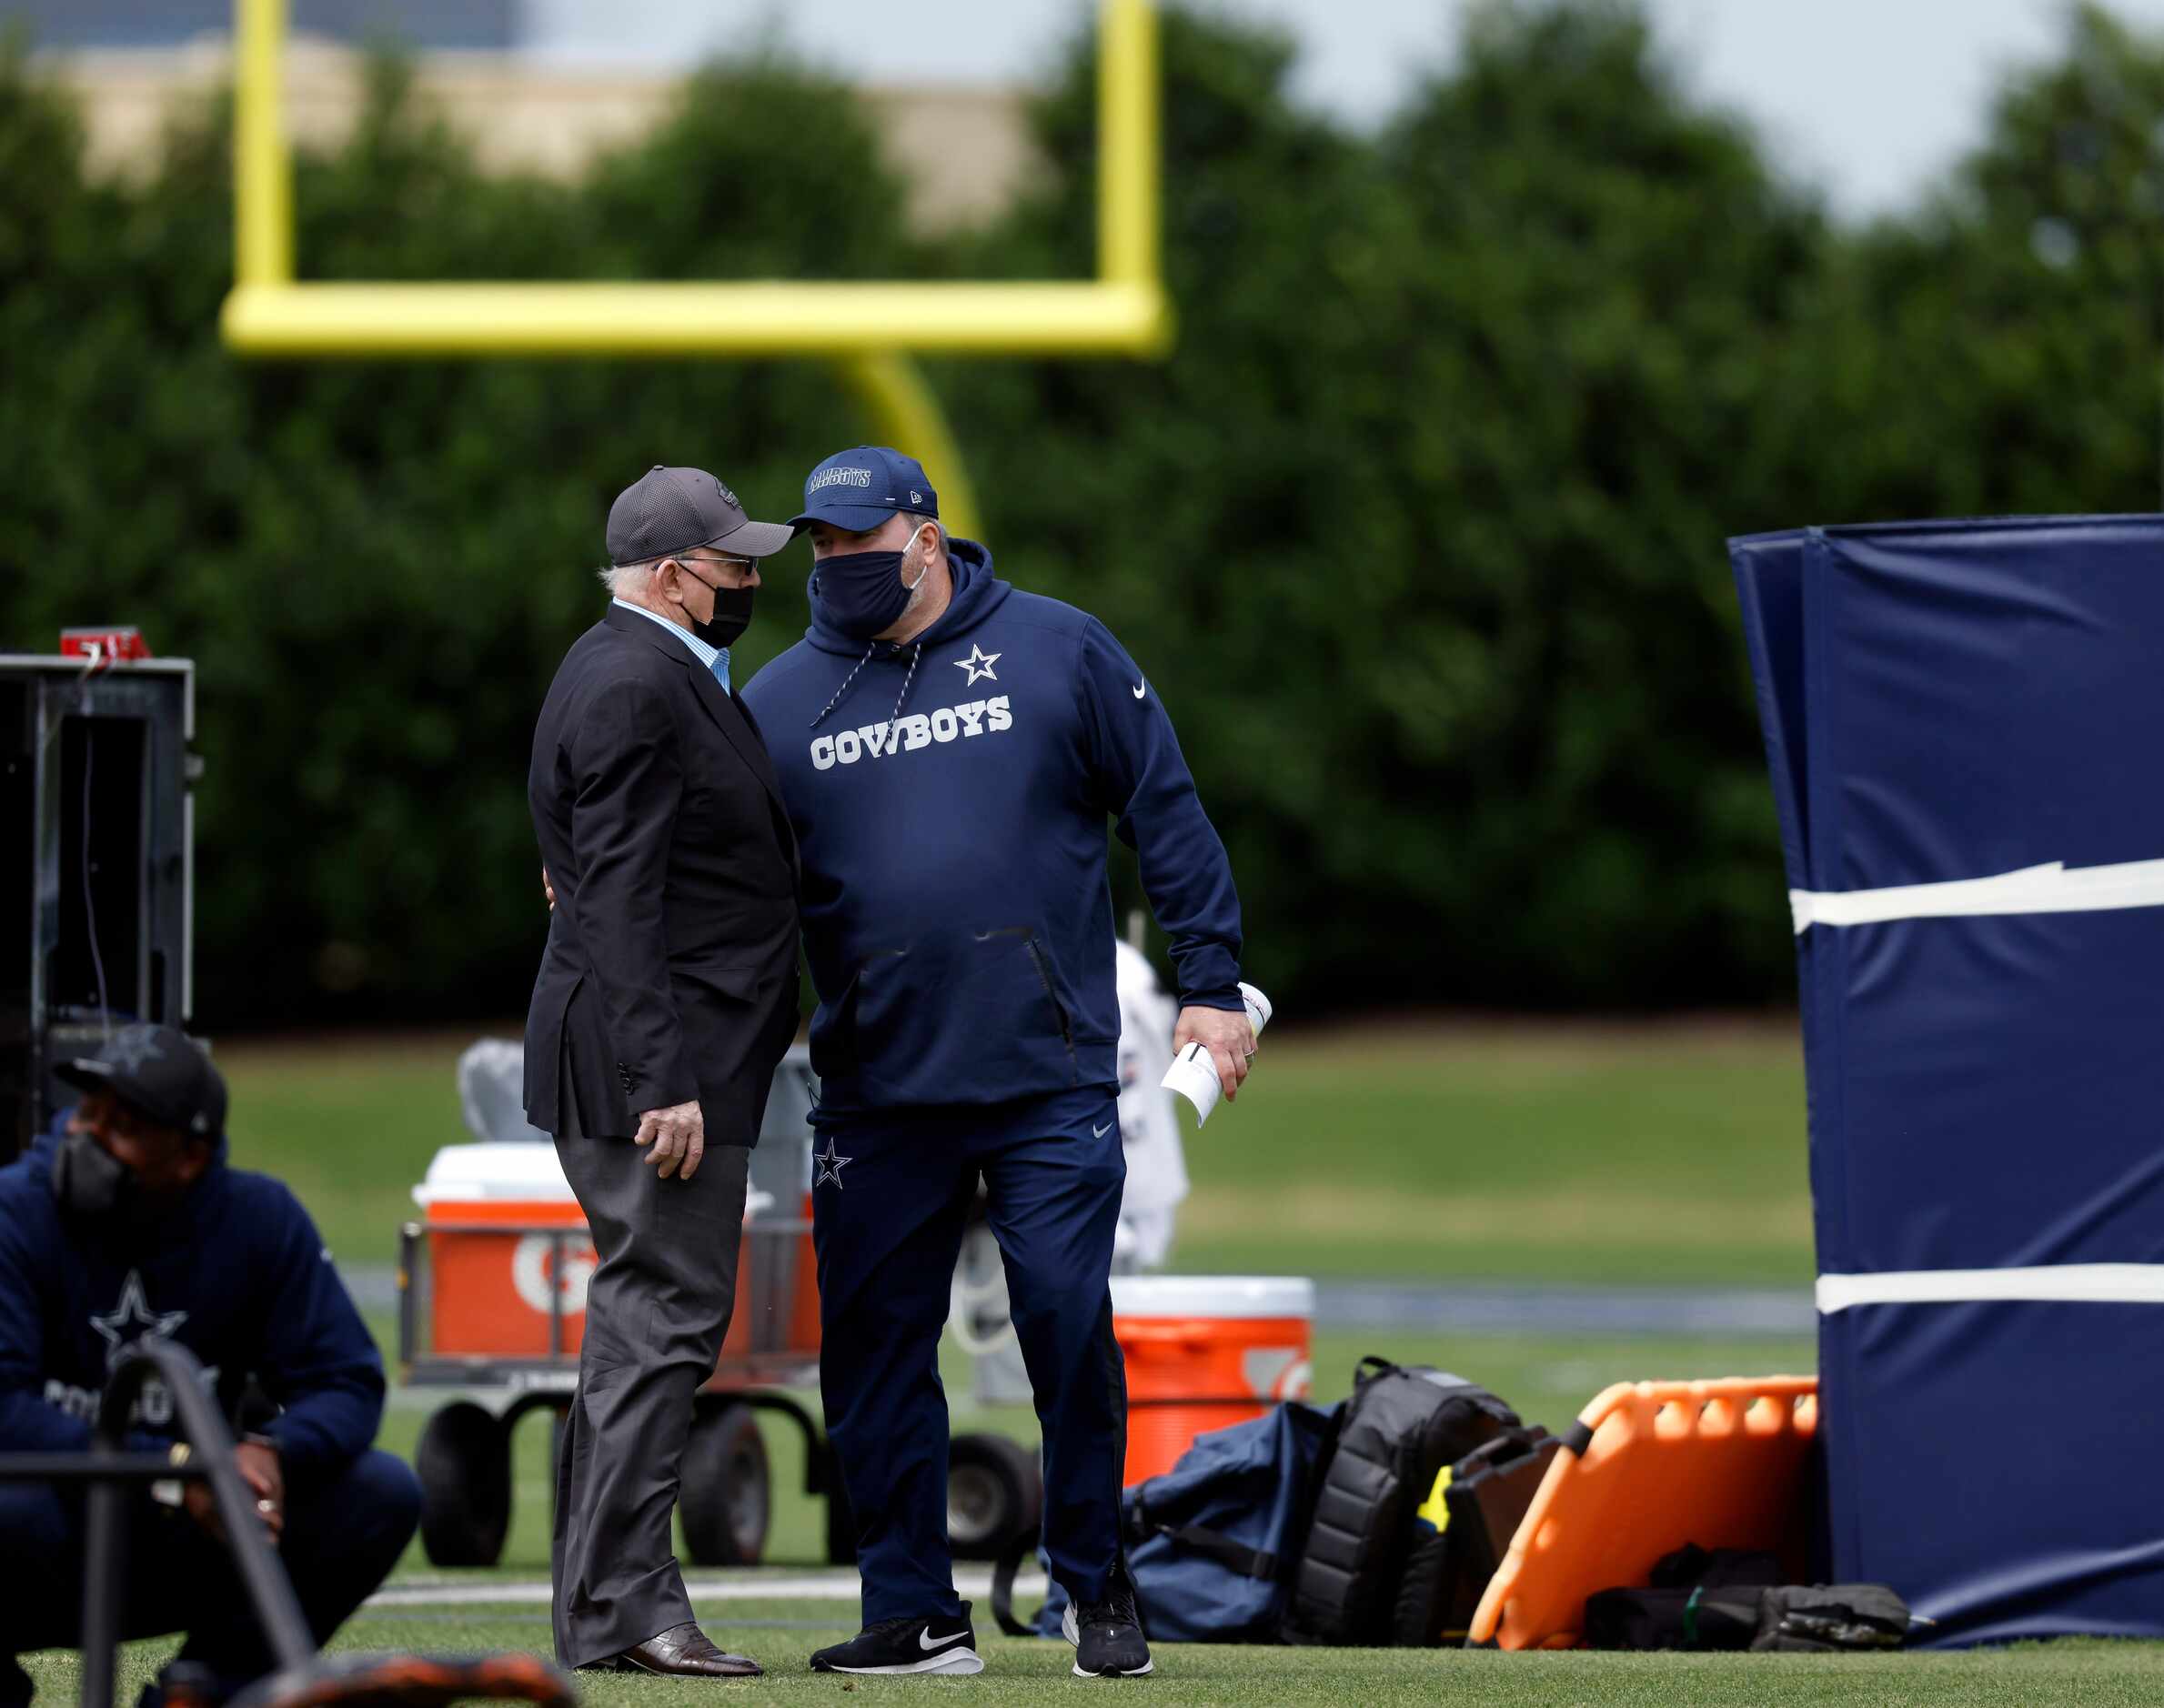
684 1651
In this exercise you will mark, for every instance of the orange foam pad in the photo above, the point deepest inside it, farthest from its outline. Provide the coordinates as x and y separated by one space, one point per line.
1719 1464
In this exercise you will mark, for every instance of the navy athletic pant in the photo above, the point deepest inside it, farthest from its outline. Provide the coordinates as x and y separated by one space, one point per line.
890 1200
343 1532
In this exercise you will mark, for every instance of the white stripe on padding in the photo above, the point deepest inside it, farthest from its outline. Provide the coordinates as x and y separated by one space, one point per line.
2051 888
2076 1283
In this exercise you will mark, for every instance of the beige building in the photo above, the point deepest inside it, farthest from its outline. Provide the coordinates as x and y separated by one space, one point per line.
964 151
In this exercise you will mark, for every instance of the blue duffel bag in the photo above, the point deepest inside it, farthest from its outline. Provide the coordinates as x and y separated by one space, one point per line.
1212 1544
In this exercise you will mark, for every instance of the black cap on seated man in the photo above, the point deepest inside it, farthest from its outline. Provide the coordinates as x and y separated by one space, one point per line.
125 1223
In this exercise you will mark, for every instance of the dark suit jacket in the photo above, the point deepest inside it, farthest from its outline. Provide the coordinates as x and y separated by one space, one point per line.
671 966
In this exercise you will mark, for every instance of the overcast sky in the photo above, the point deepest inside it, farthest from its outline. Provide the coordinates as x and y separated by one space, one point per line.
1872 99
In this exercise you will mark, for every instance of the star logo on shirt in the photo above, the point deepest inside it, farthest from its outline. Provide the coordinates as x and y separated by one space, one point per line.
830 1166
134 1312
979 663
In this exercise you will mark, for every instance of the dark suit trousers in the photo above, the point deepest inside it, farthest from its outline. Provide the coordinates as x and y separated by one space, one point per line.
656 1312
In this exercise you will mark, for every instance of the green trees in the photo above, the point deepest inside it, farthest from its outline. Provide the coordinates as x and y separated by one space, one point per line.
1426 510
1418 533
377 566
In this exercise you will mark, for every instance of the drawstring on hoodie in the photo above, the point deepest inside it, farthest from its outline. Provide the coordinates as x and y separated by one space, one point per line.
846 680
916 652
894 722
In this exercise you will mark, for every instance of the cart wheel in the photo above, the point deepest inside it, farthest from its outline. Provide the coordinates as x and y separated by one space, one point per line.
464 1464
995 1492
726 1498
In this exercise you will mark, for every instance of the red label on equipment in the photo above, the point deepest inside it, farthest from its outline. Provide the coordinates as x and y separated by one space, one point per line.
122 640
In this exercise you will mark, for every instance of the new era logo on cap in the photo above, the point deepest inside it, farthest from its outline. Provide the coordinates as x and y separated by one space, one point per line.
859 489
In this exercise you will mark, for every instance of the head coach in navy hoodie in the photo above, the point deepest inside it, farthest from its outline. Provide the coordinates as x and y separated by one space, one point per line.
951 751
126 1225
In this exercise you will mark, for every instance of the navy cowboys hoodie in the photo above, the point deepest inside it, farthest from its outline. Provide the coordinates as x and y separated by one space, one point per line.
950 797
239 1276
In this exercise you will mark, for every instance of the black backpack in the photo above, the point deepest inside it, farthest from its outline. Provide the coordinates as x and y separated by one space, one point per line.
1462 1531
1401 1427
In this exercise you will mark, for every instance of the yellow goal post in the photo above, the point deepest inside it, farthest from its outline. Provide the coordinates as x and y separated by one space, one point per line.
869 328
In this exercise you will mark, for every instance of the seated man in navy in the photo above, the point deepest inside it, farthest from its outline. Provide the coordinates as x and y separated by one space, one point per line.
128 1225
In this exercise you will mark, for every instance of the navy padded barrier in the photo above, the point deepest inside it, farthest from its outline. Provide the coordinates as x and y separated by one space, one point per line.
1769 579
2003 1462
1943 701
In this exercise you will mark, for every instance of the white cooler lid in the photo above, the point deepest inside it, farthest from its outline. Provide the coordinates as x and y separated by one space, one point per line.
1214 1296
518 1170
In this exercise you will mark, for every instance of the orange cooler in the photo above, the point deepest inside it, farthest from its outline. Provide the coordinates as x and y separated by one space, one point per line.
509 1260
1205 1352
494 1255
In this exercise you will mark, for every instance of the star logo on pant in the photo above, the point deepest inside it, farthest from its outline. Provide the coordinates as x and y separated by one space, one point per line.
979 663
830 1166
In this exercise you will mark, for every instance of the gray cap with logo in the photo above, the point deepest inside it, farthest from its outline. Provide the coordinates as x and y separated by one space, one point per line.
670 510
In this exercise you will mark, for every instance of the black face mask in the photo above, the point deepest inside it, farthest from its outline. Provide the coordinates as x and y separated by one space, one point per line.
732 615
90 1181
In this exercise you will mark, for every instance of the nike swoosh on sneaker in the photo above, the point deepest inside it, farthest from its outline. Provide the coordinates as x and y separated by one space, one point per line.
928 1642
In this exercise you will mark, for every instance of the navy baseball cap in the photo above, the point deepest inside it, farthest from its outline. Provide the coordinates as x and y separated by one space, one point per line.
159 1071
859 489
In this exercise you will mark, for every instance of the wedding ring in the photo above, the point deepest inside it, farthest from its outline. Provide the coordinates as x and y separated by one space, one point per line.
267 1506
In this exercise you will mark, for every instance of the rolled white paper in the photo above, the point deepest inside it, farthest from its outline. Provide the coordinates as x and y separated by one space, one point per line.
1195 1075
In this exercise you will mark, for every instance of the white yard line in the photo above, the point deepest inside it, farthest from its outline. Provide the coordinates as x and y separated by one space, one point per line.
747 1586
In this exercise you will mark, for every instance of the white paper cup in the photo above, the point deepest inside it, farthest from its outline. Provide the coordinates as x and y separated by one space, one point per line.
1193 1075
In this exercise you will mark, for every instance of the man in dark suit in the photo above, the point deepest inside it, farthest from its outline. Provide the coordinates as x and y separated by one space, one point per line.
666 998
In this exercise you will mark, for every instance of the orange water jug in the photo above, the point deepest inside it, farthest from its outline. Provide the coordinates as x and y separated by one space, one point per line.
1205 1351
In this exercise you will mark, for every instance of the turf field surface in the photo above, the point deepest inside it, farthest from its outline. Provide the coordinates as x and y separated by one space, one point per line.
1666 1155
781 1634
1626 1153
1549 1380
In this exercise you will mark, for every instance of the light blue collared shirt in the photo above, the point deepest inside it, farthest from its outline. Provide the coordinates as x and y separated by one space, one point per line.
715 658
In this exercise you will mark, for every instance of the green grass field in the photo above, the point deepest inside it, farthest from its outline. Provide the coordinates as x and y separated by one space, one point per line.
1644 1155
1622 1155
781 1633
1548 1380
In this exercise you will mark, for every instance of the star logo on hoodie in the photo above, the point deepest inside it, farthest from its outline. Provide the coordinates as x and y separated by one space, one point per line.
134 1312
979 663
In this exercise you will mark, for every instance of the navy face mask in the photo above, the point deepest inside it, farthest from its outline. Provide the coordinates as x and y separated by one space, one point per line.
861 594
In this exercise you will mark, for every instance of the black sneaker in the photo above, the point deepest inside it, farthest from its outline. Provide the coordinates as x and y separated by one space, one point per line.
1107 1636
907 1645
